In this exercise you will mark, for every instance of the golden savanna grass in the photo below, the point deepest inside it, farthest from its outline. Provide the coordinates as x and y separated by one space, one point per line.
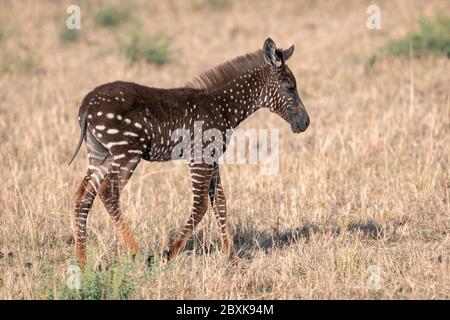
367 183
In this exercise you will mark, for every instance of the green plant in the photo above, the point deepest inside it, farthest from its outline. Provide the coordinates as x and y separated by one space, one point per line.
69 35
218 4
430 37
111 16
212 5
15 63
154 49
119 281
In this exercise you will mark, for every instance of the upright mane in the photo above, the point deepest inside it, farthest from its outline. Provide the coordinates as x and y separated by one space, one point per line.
217 76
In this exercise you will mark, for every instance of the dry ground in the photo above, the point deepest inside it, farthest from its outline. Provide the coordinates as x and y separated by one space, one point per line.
367 184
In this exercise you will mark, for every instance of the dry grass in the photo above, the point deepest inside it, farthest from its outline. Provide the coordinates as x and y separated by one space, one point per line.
367 184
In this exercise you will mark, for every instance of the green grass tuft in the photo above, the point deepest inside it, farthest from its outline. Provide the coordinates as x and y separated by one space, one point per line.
12 63
111 16
430 37
119 281
68 36
218 4
154 49
212 5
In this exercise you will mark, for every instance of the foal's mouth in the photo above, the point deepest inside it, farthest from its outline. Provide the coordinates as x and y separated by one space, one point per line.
299 122
297 128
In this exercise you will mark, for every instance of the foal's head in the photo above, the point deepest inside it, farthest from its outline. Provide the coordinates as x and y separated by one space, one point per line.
282 95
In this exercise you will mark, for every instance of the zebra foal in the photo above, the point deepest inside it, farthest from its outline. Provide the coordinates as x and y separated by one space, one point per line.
123 123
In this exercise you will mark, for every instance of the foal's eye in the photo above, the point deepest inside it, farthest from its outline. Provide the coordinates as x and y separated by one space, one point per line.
289 88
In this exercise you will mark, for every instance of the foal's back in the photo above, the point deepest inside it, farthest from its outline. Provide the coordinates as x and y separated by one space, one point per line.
122 118
124 97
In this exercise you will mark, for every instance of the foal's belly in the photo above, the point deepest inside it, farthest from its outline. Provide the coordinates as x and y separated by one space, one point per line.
158 153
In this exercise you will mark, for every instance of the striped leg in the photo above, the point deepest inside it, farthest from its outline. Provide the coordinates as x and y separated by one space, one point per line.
200 177
109 193
219 204
84 197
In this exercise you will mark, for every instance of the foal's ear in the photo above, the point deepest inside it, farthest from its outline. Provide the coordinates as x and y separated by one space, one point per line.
271 54
288 53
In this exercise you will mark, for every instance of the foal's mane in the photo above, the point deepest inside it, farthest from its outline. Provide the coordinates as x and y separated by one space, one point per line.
221 74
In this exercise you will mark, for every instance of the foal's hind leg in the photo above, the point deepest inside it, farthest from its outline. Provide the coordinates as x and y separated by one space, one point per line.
200 177
109 193
219 204
84 197
99 166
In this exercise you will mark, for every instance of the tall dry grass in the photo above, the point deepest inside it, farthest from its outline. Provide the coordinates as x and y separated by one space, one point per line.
367 184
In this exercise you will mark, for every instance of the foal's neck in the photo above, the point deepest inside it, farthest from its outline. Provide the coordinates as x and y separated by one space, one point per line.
238 98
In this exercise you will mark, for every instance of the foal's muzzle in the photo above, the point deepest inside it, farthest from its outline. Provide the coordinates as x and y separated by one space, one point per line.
300 122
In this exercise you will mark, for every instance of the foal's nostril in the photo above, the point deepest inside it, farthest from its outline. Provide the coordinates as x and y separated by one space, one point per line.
307 122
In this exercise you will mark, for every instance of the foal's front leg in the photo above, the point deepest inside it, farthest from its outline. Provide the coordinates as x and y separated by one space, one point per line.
200 177
219 203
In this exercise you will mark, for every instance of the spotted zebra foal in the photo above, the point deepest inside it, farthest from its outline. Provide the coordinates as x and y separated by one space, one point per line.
123 123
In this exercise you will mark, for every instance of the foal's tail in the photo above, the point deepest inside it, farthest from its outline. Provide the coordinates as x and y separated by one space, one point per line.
83 123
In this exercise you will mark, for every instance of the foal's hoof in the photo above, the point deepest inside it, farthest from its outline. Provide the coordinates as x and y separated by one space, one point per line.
165 256
150 261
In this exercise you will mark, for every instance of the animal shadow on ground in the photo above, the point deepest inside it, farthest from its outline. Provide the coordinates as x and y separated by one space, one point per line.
248 239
